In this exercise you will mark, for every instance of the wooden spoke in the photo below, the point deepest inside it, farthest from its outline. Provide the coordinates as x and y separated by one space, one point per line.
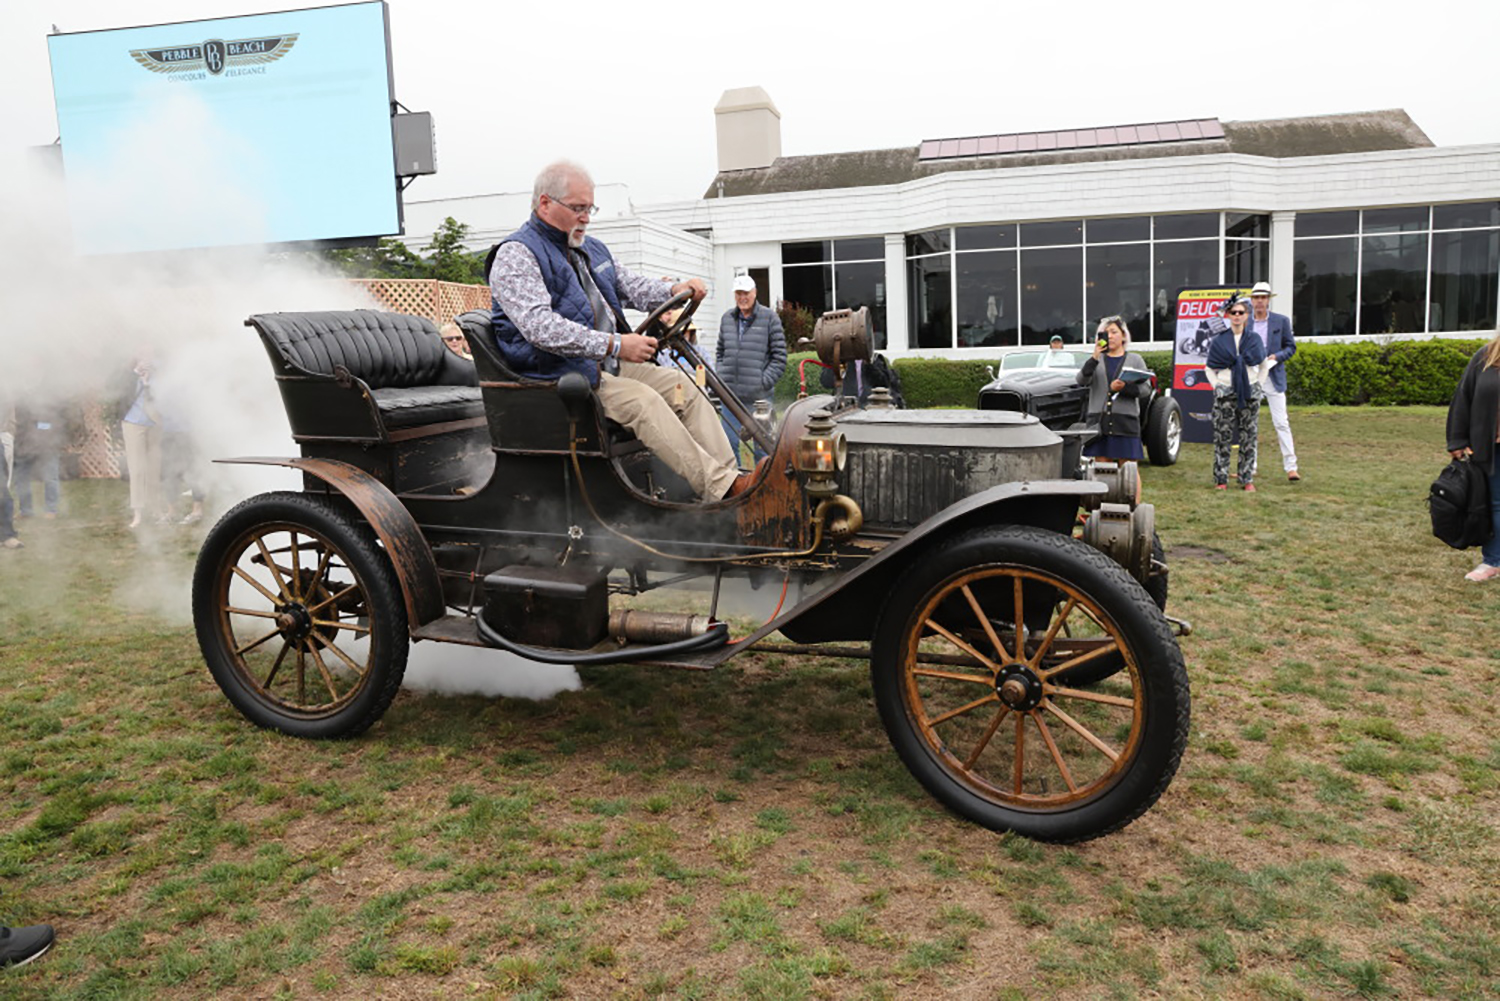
984 741
1081 730
257 613
1099 651
1079 693
302 672
989 628
330 646
1057 758
364 629
1046 644
297 569
257 585
265 554
315 609
328 682
945 717
1020 769
240 651
276 666
1019 620
928 672
962 645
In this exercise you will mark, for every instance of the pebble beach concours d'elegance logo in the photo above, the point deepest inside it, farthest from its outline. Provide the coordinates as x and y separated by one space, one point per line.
217 57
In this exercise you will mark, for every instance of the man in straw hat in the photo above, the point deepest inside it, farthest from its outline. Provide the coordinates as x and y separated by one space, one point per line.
1275 329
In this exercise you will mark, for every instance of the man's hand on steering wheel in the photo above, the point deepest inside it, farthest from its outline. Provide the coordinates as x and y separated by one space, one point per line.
637 347
694 285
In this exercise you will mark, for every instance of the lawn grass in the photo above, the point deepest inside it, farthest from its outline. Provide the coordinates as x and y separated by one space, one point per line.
748 833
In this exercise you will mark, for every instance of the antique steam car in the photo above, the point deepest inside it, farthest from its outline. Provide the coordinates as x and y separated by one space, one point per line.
1006 596
1043 383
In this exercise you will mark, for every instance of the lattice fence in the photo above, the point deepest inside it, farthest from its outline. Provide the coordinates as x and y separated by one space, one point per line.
98 456
438 301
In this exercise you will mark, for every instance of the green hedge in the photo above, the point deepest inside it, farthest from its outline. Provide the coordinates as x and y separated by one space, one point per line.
1397 374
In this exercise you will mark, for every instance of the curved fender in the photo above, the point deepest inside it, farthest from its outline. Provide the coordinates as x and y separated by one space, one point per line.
393 524
852 594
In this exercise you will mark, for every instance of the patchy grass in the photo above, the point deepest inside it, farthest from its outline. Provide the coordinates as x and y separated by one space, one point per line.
748 833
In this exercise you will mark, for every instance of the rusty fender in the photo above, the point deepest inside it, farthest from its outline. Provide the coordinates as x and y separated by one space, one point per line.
844 610
395 527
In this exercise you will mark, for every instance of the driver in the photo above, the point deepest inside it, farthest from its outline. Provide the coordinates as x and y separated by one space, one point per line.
554 296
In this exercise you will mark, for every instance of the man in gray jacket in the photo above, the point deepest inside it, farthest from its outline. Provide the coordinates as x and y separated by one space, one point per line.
750 355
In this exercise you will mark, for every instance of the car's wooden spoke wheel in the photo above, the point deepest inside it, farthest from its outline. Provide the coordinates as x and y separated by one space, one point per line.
299 616
972 665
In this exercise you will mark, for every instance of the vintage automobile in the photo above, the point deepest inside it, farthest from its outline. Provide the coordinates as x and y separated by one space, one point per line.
1043 383
1004 599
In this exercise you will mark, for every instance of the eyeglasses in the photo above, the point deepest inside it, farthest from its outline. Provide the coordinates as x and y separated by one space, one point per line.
453 340
1237 312
1112 319
578 210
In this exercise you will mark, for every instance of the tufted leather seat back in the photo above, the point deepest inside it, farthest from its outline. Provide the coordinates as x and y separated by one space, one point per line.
385 350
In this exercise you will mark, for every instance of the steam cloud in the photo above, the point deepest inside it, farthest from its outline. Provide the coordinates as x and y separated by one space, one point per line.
72 324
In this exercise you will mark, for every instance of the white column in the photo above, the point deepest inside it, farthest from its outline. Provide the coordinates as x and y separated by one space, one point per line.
1283 228
896 312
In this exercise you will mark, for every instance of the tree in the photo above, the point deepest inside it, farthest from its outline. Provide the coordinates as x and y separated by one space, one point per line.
389 258
449 261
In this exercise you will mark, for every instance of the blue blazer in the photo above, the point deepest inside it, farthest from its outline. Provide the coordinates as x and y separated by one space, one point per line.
1280 344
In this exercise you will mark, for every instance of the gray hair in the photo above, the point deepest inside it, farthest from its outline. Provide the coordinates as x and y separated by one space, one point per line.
553 181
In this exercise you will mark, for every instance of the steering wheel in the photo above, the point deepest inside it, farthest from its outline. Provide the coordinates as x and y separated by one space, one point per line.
681 324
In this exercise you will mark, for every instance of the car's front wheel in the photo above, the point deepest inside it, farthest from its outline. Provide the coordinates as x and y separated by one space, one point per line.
970 666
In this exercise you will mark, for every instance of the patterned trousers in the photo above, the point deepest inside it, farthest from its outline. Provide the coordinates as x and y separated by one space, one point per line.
1228 414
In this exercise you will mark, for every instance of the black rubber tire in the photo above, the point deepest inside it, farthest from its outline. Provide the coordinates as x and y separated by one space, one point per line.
376 604
1164 431
1152 736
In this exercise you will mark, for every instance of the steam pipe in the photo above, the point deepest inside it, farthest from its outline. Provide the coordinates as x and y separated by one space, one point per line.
717 635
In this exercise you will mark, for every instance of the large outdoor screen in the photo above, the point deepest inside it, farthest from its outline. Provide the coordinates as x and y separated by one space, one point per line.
272 128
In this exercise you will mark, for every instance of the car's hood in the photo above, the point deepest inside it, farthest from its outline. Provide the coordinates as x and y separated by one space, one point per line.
1035 379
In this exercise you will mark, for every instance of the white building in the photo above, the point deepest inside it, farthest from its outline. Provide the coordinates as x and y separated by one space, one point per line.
965 245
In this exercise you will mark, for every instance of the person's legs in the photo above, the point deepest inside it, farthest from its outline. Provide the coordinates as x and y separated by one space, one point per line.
689 442
24 473
1223 421
1283 428
1490 553
7 508
1249 423
135 463
732 431
51 470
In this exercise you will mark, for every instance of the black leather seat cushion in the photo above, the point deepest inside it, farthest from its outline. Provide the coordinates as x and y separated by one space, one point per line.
403 408
413 378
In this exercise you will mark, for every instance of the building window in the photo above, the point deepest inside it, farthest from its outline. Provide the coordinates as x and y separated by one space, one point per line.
1403 270
1005 284
821 275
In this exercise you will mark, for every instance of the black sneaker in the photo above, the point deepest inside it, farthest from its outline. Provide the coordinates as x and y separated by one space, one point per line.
19 946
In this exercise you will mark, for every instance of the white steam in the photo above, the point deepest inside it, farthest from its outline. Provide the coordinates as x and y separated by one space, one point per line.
73 323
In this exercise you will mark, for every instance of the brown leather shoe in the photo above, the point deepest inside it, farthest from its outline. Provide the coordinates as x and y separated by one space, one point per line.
743 481
1294 477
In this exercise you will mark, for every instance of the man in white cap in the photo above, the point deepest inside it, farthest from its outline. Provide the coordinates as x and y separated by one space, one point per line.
750 354
1275 329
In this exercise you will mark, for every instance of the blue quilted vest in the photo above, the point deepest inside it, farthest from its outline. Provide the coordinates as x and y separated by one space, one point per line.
550 247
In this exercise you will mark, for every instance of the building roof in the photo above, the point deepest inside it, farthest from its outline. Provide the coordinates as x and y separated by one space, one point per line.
1322 135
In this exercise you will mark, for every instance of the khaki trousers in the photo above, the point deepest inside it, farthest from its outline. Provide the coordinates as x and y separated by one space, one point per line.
685 435
143 457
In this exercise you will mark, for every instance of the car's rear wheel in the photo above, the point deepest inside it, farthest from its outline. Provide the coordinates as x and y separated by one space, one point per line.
1164 431
299 616
968 669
